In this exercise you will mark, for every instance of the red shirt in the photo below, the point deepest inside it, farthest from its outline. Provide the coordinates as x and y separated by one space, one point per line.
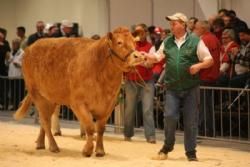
146 73
213 44
225 52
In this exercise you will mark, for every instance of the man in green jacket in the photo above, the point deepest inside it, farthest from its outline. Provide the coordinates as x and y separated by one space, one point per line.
185 56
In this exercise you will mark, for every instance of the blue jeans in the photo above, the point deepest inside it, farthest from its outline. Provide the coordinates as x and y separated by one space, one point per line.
190 101
133 94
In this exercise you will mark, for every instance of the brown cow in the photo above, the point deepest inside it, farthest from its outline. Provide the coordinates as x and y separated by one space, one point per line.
81 73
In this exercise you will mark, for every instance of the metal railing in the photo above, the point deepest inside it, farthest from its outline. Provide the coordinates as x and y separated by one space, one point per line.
224 112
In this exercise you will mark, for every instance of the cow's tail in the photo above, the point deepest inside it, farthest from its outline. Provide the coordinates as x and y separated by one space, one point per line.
23 109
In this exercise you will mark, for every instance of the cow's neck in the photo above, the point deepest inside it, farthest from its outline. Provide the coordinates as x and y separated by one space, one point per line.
109 71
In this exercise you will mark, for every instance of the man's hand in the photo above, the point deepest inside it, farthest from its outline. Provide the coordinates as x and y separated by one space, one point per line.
194 69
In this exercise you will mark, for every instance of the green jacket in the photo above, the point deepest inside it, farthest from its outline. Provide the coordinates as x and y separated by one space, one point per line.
178 61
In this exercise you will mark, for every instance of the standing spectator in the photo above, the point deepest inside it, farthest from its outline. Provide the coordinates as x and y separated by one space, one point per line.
209 78
20 31
222 12
191 23
66 29
185 56
134 91
4 54
218 27
51 30
165 33
15 74
38 34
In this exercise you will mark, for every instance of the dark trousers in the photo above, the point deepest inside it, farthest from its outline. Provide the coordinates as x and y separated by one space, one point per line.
4 87
16 92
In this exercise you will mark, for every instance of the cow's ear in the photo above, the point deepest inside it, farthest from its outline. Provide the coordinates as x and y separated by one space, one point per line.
110 36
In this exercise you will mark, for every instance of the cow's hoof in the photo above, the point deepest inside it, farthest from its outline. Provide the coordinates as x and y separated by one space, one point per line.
54 150
100 154
86 154
58 134
40 147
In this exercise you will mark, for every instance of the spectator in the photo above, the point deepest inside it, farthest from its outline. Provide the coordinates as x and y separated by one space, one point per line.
66 29
228 52
185 56
165 33
242 61
51 30
4 55
191 23
151 34
95 37
142 74
15 74
21 34
157 67
222 12
218 27
38 34
208 77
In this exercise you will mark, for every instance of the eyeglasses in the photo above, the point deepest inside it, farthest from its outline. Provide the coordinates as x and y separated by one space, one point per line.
225 37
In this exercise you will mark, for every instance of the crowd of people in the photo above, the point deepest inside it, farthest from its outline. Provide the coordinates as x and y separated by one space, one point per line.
193 52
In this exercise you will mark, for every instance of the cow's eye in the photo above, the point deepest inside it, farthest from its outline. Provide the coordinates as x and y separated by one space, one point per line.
119 43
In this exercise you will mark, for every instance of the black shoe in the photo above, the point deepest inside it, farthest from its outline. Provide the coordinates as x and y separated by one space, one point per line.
191 156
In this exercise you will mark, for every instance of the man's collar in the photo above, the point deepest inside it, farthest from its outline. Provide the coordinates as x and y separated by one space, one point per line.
184 37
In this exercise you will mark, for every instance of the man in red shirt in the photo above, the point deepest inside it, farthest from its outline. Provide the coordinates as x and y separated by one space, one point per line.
139 84
208 77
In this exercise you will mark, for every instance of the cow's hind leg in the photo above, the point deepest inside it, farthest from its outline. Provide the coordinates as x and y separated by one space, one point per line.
40 143
45 110
100 127
85 118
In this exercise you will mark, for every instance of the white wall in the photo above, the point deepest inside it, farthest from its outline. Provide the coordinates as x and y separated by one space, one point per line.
101 16
129 12
92 15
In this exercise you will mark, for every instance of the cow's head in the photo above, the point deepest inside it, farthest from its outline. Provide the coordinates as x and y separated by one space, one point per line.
122 49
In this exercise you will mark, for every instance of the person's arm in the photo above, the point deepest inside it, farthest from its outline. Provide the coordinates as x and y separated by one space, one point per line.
205 58
155 57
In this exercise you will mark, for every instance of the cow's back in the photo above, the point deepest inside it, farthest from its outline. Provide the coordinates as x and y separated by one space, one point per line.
46 66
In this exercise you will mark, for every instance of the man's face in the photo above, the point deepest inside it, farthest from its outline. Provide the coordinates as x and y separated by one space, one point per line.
177 26
1 37
191 24
198 30
67 30
226 38
143 34
40 27
244 37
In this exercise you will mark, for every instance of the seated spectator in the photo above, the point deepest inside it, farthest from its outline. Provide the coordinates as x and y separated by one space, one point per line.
228 52
242 61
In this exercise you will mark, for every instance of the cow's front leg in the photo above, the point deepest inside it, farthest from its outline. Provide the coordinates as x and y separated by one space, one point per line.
85 119
99 140
89 146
